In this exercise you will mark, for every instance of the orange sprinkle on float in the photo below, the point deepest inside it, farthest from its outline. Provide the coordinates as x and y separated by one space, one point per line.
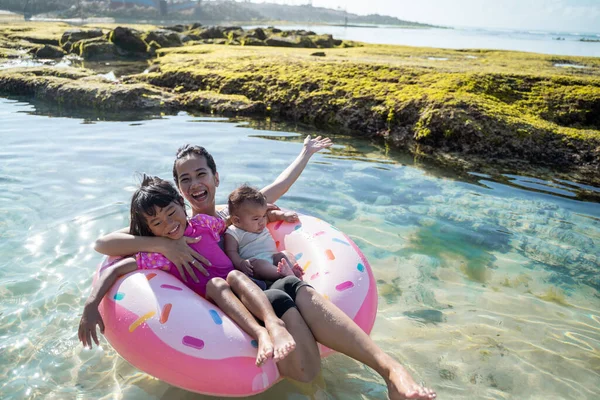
150 275
141 320
164 315
329 254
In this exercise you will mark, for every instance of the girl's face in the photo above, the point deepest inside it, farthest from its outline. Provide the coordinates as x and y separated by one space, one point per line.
197 184
251 217
168 222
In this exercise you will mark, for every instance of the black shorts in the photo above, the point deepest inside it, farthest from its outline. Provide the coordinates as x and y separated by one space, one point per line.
282 293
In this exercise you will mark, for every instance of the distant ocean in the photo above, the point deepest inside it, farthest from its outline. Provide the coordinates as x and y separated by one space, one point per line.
558 43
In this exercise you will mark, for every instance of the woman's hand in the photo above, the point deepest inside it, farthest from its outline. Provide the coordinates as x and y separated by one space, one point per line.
87 325
315 145
290 216
184 257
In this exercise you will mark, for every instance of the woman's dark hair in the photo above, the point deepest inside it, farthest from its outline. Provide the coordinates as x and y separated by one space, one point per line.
244 194
187 150
153 192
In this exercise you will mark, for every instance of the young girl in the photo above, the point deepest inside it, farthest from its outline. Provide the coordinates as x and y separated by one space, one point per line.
157 209
248 242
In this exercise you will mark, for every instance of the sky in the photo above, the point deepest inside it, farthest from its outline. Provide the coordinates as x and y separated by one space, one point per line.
545 15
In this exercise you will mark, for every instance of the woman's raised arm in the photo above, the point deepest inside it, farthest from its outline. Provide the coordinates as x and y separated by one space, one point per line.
287 178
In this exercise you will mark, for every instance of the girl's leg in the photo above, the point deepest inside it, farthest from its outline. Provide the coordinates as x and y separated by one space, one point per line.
265 270
219 291
334 329
256 302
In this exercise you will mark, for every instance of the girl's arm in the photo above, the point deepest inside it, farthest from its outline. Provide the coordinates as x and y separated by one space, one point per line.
122 243
91 316
287 178
232 251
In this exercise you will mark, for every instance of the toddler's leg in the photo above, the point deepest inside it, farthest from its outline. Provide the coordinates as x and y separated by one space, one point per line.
292 264
265 270
256 301
219 291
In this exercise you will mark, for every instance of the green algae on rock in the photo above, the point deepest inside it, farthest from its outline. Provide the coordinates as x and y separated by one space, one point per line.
512 107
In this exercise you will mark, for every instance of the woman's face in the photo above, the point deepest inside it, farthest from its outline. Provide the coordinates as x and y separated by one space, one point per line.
197 183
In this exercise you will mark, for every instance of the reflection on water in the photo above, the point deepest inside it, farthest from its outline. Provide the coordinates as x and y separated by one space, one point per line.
488 282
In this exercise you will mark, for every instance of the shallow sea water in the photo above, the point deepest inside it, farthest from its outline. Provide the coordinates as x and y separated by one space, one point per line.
488 285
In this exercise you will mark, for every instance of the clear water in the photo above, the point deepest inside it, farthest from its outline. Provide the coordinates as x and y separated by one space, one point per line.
488 285
558 43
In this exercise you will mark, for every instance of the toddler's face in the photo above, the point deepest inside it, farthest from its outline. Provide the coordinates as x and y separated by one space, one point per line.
168 222
251 217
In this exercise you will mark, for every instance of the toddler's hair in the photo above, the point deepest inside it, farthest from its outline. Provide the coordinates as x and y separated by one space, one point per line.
244 194
187 150
153 192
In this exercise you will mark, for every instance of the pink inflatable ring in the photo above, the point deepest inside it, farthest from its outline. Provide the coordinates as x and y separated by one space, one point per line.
166 330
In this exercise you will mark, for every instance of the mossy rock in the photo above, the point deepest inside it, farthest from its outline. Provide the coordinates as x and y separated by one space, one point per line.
98 50
290 41
323 41
257 33
177 28
49 51
128 41
250 41
76 35
163 37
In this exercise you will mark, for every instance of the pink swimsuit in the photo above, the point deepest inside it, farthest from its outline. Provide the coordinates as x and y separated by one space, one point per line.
211 229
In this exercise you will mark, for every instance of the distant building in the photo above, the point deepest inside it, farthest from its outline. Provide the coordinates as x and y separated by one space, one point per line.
171 5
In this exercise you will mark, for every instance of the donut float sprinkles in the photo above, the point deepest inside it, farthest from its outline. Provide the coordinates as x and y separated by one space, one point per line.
166 330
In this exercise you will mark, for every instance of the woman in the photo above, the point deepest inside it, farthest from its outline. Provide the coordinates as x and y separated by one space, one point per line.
312 319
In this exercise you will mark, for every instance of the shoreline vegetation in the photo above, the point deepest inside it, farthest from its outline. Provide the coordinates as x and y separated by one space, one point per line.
468 107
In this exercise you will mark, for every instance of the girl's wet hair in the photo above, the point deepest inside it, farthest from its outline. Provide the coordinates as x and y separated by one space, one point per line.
244 194
188 150
153 192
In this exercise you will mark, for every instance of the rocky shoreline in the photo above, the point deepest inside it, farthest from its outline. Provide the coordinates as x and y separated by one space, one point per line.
467 107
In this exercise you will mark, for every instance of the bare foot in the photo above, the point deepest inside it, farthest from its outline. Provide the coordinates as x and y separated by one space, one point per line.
402 386
283 341
289 216
298 271
283 268
265 347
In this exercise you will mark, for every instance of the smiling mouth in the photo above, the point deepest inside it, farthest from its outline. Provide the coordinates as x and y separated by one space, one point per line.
172 231
199 195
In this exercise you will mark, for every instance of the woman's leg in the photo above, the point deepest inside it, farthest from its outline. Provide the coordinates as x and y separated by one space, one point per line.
255 301
219 291
334 329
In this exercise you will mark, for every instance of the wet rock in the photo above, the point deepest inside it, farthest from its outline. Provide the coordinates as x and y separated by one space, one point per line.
323 41
250 41
221 103
176 28
97 49
128 41
212 32
290 41
75 88
49 51
76 35
163 37
257 33
68 46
